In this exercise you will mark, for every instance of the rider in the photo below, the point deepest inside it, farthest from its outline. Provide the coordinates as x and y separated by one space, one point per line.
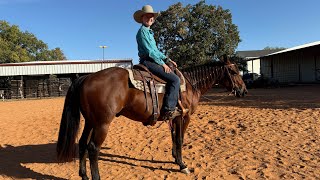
155 61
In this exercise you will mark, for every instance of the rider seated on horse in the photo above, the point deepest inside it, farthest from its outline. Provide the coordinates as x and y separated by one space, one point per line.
155 61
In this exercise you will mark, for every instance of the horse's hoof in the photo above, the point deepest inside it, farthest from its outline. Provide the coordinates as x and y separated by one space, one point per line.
185 171
85 178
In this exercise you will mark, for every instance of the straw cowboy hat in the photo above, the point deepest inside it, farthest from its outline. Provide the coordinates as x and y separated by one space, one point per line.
145 10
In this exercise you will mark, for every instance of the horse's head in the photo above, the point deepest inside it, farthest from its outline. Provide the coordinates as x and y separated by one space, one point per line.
232 79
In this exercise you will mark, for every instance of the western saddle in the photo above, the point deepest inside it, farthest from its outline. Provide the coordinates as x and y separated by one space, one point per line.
144 80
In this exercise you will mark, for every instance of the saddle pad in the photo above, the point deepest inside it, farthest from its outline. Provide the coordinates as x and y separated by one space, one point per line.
161 88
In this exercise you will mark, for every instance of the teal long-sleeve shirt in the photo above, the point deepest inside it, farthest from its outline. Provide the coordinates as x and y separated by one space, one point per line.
147 45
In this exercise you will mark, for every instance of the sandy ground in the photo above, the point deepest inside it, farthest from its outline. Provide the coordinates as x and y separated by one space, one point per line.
270 134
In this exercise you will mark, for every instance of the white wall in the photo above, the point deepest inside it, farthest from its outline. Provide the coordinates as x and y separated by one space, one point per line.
254 66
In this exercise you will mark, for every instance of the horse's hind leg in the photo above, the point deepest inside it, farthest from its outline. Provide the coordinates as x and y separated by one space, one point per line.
98 136
83 151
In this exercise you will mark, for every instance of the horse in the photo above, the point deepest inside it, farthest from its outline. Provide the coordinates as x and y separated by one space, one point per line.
107 94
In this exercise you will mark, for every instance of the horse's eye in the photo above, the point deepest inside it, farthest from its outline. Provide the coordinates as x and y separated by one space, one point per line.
233 72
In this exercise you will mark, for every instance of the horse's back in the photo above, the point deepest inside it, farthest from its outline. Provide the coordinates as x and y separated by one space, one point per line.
110 76
105 90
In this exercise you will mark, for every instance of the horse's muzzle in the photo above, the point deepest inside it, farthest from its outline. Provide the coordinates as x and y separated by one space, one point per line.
240 92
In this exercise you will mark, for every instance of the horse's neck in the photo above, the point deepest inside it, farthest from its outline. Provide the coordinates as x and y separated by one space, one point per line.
202 78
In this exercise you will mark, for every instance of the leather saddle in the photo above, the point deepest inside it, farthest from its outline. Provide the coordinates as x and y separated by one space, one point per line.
144 80
141 72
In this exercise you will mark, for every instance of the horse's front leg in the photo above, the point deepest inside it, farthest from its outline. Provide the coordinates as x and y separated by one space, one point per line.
173 137
178 144
185 124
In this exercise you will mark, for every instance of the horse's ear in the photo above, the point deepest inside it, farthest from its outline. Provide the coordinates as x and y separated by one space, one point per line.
224 58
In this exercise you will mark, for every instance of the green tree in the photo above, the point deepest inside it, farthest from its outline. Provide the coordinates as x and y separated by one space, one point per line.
274 48
196 34
240 61
18 46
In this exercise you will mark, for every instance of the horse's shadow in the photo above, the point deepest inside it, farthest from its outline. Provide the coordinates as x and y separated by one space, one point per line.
13 157
114 158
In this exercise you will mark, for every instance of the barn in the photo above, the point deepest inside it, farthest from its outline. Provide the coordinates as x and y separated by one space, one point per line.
48 78
253 59
300 64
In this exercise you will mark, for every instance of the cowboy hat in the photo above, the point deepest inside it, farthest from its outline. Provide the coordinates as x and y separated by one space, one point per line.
147 9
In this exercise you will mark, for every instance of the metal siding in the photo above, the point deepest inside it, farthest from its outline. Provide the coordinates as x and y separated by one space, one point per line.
56 69
297 65
266 67
307 69
41 69
317 68
6 70
20 70
74 69
292 68
286 68
276 69
92 68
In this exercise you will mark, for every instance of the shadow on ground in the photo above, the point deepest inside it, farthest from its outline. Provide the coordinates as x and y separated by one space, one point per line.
300 97
13 158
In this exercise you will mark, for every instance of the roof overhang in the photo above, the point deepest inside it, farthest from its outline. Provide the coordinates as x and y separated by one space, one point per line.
294 48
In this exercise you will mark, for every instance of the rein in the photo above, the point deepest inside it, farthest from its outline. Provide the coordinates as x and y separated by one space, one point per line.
229 74
213 100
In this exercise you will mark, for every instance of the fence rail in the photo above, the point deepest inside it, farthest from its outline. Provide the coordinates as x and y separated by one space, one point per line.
34 88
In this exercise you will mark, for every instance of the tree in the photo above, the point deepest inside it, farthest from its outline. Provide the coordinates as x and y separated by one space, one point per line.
240 61
274 48
196 34
18 46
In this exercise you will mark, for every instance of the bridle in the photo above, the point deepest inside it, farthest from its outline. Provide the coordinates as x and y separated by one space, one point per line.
230 76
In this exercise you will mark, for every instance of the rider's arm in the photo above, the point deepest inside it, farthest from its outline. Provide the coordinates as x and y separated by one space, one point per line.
147 44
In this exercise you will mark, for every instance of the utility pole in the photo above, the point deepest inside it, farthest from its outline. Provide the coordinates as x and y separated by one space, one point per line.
103 47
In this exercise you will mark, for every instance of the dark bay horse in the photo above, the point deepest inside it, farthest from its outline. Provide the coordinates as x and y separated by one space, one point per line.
103 95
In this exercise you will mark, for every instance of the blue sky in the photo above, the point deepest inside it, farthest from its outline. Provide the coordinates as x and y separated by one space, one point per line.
79 27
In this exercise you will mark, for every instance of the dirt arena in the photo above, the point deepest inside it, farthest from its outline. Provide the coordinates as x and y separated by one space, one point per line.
270 134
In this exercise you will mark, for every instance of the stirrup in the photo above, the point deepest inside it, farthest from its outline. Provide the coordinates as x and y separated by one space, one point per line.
170 115
182 109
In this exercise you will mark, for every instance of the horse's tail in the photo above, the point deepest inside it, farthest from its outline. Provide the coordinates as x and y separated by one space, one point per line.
70 120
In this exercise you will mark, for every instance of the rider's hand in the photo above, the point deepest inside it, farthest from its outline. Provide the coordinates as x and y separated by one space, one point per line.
166 68
174 63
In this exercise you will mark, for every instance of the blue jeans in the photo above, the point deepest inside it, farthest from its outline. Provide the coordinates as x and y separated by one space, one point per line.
172 87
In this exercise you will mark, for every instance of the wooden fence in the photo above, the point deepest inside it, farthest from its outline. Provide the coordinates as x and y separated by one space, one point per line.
34 87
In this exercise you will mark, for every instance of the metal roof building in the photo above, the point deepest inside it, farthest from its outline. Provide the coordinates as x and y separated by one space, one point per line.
48 78
253 58
61 67
299 64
